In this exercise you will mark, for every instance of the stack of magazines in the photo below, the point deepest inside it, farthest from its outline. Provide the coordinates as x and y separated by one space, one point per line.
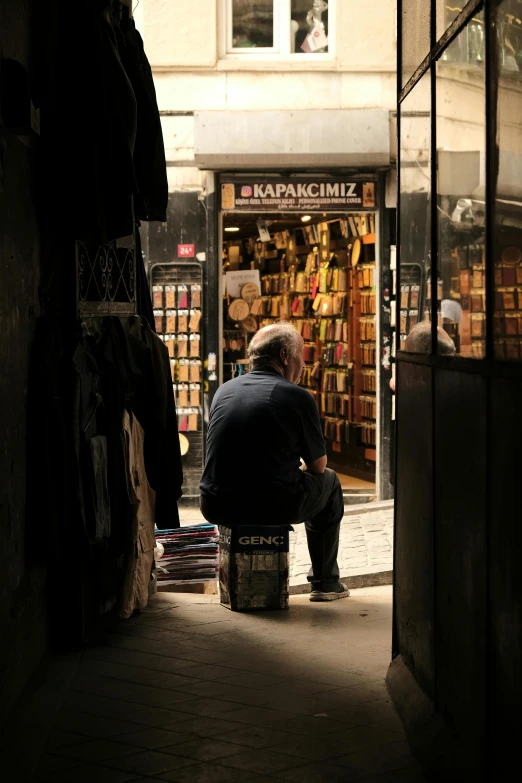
190 554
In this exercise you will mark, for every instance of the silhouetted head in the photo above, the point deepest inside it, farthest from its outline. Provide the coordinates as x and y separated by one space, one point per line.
419 340
279 346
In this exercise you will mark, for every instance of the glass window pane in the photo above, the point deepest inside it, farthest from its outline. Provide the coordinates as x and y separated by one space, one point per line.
415 35
469 46
447 12
309 26
252 24
510 36
413 305
461 143
507 321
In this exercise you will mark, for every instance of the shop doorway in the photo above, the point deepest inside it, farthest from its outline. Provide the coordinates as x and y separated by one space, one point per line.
321 272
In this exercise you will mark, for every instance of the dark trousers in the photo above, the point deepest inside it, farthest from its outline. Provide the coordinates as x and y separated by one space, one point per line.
321 511
318 502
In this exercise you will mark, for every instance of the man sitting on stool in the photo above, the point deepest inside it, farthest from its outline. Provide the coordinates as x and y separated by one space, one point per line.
261 425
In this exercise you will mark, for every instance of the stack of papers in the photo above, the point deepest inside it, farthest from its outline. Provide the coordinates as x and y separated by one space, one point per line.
191 554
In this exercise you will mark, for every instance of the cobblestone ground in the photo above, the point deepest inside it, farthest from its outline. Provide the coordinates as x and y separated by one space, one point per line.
366 541
190 692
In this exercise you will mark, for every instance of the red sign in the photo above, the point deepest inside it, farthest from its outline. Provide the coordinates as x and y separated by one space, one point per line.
185 251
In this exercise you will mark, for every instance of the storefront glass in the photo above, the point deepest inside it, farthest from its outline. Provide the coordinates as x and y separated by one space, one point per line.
461 135
306 250
469 45
446 13
414 297
509 26
507 323
478 159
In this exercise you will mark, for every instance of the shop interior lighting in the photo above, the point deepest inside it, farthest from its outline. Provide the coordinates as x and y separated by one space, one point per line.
232 228
306 218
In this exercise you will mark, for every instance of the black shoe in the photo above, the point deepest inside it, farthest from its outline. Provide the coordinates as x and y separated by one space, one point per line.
341 591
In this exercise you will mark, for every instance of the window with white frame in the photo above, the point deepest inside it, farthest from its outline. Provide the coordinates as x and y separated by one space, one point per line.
277 27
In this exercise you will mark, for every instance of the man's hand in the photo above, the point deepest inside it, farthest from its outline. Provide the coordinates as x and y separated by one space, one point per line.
318 465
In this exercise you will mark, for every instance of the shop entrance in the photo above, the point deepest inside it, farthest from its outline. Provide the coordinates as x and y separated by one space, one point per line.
320 271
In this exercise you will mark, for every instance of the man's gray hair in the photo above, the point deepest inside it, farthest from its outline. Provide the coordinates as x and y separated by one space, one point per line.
267 344
419 340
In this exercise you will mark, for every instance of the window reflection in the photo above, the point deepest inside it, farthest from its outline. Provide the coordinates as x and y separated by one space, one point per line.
309 27
507 321
415 228
509 28
469 46
447 12
252 24
461 116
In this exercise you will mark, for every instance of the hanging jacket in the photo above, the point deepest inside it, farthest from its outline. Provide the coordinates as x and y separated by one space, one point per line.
163 456
90 441
93 128
141 514
149 151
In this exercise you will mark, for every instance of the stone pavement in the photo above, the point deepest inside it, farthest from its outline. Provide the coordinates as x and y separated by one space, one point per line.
366 543
190 692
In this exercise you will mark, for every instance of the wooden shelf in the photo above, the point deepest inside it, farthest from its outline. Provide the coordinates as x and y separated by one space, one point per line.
355 453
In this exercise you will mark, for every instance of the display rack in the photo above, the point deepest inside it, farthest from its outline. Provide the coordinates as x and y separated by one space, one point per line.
412 299
461 285
177 297
467 287
307 278
507 322
235 343
366 350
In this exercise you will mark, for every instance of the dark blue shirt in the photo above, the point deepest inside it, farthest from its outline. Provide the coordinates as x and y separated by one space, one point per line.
260 426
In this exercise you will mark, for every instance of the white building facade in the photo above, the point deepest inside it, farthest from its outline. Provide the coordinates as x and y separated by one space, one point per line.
200 68
273 90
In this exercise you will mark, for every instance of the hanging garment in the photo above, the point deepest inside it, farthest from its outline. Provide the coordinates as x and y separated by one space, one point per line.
121 382
143 378
90 441
67 520
149 151
162 453
143 297
93 96
139 555
98 486
50 536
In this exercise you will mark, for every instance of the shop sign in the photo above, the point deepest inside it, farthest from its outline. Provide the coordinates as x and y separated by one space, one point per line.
236 281
296 195
256 541
186 251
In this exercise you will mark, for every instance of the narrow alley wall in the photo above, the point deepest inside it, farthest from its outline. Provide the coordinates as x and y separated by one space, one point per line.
22 611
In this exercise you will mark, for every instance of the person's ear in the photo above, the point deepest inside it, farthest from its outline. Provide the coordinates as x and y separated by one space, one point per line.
284 356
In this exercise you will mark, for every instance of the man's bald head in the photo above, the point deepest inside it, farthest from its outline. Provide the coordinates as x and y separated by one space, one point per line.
279 346
419 340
